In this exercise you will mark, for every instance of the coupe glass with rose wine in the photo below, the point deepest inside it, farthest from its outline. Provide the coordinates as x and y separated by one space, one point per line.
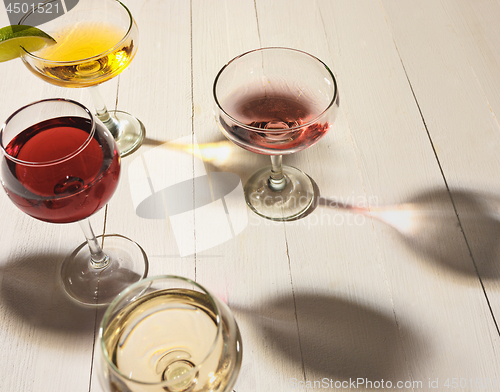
95 41
276 101
59 165
168 333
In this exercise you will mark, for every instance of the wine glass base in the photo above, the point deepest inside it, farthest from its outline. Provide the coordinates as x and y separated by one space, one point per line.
128 264
287 204
130 132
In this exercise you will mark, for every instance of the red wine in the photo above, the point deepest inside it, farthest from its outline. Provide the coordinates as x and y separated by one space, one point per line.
275 114
63 186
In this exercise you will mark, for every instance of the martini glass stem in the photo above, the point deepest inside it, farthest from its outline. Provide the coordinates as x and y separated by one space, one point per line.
102 111
98 259
277 180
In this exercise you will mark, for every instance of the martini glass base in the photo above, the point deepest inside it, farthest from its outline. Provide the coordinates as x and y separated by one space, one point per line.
127 130
289 203
128 264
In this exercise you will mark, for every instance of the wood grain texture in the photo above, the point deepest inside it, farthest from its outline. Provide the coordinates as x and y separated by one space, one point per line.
475 125
452 78
394 274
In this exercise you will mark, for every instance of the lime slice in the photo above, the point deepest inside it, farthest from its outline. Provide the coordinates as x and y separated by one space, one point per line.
30 38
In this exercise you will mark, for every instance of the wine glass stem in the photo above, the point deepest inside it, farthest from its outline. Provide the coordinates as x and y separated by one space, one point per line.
98 259
102 111
277 180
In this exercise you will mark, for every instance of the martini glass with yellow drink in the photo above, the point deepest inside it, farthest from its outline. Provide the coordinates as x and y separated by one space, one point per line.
95 41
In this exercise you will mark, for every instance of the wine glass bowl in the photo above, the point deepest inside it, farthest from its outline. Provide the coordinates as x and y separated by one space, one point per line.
276 101
58 169
168 333
95 41
113 48
60 165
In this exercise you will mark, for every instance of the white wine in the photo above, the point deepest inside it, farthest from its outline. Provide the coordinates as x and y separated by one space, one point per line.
165 336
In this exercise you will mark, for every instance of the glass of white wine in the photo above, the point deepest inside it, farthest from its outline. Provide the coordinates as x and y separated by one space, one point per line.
168 333
95 41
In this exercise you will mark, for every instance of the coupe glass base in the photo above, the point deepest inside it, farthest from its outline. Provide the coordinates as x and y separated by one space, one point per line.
287 204
128 264
128 131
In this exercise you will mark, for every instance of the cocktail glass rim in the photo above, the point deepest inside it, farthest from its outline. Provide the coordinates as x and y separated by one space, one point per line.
76 62
55 161
261 130
147 282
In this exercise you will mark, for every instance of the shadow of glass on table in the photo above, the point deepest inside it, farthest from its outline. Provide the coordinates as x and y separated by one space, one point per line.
457 230
338 339
32 292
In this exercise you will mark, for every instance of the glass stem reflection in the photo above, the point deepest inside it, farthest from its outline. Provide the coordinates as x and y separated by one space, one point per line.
102 111
98 259
277 180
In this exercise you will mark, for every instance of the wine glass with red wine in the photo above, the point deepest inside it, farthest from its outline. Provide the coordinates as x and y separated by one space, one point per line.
60 165
276 101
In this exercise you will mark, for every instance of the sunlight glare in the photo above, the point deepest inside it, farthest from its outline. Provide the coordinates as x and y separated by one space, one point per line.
216 153
403 218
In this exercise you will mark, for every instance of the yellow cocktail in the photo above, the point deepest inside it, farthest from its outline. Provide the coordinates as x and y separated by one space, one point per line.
95 41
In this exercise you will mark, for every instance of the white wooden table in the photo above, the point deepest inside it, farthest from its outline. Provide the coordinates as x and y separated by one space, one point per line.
402 292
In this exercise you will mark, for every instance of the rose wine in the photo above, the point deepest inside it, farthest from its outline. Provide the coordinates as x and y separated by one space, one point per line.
166 334
285 121
69 185
84 41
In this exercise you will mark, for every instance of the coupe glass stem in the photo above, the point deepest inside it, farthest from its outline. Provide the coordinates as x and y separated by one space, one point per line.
277 180
102 111
98 259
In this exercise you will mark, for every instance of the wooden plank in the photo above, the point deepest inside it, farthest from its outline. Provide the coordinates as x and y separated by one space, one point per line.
476 27
251 267
453 81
